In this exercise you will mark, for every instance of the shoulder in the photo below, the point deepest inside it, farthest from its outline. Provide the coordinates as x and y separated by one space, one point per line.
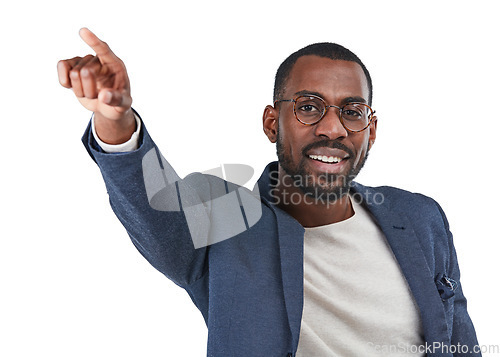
416 216
418 207
393 196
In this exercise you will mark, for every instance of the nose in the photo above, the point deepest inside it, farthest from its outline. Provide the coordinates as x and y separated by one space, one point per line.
330 125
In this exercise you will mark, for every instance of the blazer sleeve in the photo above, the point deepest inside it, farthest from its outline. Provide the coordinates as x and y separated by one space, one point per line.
162 236
463 333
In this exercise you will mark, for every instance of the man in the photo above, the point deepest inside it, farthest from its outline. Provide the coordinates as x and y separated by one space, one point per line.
320 265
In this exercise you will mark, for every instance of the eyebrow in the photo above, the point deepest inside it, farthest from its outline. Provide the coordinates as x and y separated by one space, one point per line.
355 99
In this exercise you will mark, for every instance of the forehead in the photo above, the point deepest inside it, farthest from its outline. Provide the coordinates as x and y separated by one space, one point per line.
333 79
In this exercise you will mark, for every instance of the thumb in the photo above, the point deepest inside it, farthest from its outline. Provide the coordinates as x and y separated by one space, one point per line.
115 98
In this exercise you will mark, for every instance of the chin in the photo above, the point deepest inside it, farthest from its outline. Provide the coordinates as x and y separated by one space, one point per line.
327 191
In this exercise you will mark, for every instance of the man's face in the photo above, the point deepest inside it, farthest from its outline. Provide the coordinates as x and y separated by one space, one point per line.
302 150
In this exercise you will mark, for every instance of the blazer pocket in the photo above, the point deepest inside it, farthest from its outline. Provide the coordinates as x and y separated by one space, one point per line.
446 286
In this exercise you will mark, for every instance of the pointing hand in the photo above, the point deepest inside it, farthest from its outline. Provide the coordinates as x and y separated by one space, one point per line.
101 84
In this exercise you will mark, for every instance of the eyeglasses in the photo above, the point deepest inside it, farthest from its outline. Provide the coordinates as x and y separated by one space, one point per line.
310 109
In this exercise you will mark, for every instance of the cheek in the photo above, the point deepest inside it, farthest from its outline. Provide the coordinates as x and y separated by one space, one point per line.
291 141
361 147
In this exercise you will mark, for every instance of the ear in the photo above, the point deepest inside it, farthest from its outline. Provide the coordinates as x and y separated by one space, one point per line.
270 123
373 132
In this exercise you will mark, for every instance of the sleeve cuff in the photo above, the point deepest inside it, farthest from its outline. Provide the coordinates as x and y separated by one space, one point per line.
130 145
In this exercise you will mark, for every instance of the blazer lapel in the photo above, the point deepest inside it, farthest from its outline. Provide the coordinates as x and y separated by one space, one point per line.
291 246
410 256
291 242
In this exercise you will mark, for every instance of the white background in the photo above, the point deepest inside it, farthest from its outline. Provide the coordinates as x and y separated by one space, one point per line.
72 284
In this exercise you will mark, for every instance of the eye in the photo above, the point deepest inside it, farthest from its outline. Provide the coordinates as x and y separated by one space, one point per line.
354 112
308 108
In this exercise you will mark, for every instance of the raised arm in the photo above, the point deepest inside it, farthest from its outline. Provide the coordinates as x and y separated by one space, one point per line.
101 84
170 220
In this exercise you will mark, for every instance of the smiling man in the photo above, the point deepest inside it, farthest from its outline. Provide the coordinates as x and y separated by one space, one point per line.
323 150
322 265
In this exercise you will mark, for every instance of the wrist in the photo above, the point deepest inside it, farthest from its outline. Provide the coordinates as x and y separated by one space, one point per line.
115 131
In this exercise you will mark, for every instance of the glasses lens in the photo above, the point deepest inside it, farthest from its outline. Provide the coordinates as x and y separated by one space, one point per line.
309 110
356 116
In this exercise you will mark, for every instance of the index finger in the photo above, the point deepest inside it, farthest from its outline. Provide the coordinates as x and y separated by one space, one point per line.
100 48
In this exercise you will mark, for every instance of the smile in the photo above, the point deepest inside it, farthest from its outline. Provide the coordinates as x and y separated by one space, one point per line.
327 159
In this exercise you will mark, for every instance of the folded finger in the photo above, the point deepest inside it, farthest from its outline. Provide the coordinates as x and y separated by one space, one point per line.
89 85
76 78
88 77
63 69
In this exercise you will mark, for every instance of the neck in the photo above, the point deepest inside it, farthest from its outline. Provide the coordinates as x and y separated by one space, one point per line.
307 210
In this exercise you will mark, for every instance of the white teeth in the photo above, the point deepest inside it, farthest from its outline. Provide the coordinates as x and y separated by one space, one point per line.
325 158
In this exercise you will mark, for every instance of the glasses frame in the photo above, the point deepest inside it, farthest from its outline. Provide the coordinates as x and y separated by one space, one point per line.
370 117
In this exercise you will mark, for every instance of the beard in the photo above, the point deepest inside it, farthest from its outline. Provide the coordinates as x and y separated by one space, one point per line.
324 187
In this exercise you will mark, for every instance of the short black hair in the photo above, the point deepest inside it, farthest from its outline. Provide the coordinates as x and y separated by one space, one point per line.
323 49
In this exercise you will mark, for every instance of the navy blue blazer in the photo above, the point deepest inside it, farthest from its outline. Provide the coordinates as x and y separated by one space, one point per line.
249 288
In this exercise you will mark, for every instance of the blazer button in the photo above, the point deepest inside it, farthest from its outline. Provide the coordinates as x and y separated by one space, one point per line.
289 355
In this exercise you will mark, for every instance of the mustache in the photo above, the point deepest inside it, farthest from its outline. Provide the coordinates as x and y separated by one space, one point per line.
332 144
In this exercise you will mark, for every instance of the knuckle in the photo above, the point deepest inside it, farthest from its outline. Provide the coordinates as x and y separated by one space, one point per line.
74 74
64 65
85 72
